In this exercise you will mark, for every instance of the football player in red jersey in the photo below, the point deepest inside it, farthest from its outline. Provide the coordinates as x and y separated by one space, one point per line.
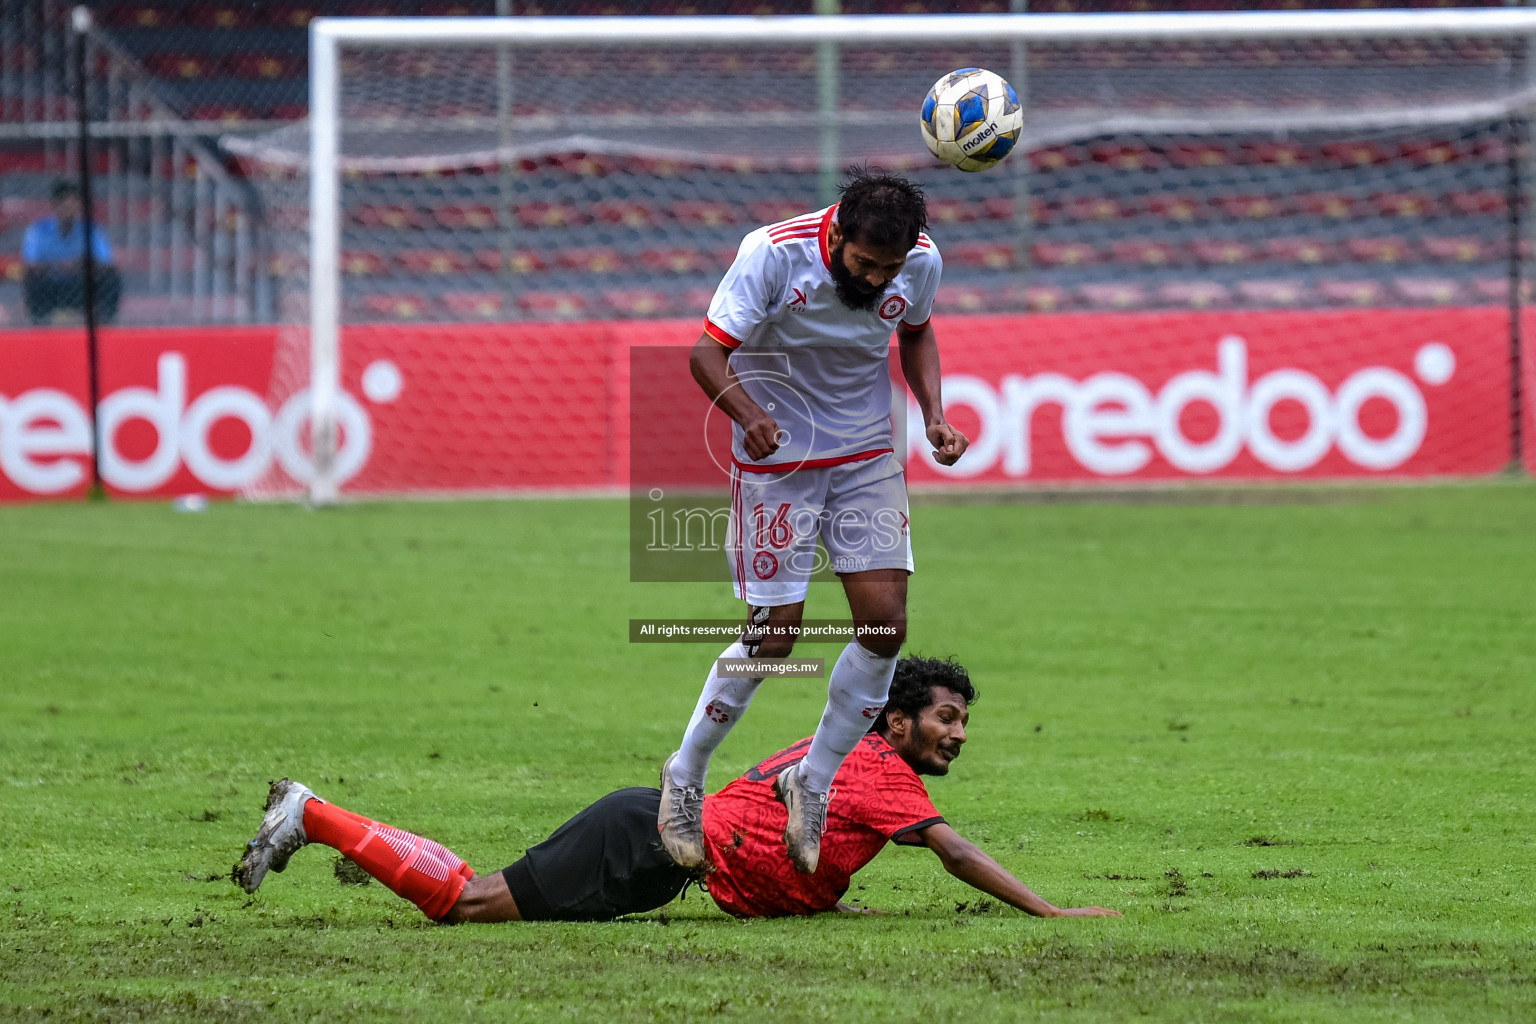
608 861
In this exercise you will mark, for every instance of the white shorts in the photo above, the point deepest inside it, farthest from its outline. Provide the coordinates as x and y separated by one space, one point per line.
858 509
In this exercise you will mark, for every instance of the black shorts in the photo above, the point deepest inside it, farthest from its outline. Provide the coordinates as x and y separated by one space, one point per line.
605 862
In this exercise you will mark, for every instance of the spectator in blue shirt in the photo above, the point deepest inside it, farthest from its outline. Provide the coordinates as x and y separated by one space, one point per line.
52 254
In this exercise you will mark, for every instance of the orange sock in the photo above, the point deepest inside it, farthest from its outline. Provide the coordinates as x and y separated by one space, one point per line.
426 873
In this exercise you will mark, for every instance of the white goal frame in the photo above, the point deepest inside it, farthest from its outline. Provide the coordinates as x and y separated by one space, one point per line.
328 35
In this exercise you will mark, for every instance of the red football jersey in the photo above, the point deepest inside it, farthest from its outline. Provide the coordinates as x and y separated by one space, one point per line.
876 798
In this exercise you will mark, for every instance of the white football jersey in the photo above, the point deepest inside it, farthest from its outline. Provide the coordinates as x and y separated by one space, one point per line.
819 368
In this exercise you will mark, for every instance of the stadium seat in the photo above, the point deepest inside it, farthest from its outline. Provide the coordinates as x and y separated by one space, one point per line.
290 16
636 302
217 16
475 217
1279 154
709 214
1402 204
1121 156
179 65
1094 208
1176 208
11 266
432 261
394 306
544 305
473 305
228 113
393 216
952 211
1351 293
1221 251
628 214
357 263
674 261
962 298
143 16
1428 291
1194 294
1145 252
1496 289
1062 254
1271 293
1460 249
548 215
1475 202
264 65
1431 153
288 265
595 260
1250 207
1045 298
1113 295
1358 154
1199 154
993 255
1300 250
771 211
1377 250
1056 158
694 301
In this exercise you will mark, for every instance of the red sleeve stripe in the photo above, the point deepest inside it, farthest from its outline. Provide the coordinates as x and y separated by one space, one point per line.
781 239
793 230
917 327
720 335
809 218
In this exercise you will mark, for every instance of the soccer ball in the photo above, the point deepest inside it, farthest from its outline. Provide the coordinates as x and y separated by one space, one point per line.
972 119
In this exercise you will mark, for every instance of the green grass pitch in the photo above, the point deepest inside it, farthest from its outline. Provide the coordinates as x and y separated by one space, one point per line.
1291 741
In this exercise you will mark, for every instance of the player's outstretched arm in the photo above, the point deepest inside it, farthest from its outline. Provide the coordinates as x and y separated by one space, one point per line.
920 366
710 365
966 862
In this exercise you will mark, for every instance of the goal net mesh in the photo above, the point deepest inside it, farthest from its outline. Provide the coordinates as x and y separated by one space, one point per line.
486 184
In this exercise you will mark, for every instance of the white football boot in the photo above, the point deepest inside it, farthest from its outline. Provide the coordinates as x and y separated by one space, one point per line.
681 820
280 835
807 819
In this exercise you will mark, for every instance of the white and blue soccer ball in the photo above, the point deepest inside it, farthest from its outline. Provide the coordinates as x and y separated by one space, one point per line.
972 119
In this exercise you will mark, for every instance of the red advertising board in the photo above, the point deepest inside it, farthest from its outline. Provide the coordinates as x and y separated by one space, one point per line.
471 408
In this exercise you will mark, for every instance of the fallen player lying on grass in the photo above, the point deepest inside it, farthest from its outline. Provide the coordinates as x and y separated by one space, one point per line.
607 860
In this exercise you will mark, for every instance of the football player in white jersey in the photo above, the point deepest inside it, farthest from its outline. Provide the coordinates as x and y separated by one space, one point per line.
796 351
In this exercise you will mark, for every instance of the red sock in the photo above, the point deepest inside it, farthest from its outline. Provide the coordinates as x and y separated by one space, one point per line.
426 873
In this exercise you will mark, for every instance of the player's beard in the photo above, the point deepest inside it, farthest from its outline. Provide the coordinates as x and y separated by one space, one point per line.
851 291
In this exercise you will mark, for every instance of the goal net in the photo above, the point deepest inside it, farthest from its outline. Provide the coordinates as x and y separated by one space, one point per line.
481 181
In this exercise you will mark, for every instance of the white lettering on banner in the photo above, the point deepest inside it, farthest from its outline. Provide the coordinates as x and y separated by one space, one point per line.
45 423
1108 418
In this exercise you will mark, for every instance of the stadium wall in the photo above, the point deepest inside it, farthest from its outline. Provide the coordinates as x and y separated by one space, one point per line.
1047 399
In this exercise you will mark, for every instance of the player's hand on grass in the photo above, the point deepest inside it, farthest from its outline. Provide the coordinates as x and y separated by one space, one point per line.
760 437
1086 912
948 443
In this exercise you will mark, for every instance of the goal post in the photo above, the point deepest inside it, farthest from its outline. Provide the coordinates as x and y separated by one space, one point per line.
1446 94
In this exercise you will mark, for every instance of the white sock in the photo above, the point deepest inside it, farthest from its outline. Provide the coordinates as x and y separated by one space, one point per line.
860 684
720 706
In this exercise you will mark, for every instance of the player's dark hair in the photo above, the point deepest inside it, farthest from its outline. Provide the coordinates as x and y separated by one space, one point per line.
63 188
912 686
881 209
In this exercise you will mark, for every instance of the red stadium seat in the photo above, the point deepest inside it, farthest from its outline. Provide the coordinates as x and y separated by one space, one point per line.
628 214
432 261
1475 202
636 302
710 214
993 255
1221 251
1250 207
772 211
1358 154
1300 250
290 16
524 261
1124 157
952 211
143 16
1062 254
1352 293
1496 289
1428 291
11 266
1460 250
475 217
1194 294
228 113
1334 205
959 298
179 65
1177 208
1431 153
553 305
1094 208
263 65
362 264
288 265
548 215
1271 293
1044 298
394 306
217 16
473 305
674 261
1377 250
598 260
290 111
1402 204
393 216
1143 251
1113 295
1057 158
1279 154
1204 154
